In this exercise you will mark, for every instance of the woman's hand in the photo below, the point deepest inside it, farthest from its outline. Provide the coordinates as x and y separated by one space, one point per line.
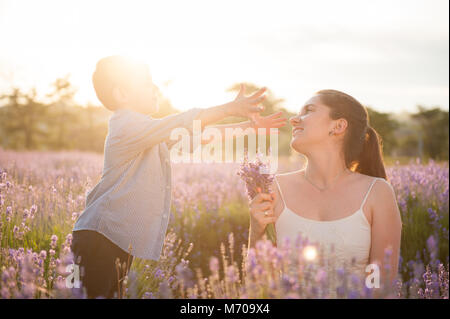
261 212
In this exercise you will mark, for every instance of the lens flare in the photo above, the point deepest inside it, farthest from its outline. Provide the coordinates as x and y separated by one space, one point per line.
310 253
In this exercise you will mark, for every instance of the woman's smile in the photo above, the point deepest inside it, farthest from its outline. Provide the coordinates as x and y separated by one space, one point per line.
297 129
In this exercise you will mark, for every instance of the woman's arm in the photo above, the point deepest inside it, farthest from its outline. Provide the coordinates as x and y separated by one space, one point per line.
386 232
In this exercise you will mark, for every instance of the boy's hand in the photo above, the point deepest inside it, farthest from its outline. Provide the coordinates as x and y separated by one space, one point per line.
267 122
246 106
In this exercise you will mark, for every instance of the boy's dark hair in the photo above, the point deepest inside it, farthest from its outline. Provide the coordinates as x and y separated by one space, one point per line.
113 71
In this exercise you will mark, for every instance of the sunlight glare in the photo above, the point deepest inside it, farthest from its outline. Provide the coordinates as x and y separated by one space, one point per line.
310 253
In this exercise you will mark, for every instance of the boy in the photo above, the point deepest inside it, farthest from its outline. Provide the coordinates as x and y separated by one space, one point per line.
130 206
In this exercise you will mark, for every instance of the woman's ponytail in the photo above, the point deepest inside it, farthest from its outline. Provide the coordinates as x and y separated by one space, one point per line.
370 161
363 148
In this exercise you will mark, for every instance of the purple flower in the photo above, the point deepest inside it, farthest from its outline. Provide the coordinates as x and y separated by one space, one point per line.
43 254
159 273
232 274
184 274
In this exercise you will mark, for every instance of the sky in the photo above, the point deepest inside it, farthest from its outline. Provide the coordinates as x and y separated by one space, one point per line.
390 55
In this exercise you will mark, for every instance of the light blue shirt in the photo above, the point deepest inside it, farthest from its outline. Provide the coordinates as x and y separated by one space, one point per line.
130 205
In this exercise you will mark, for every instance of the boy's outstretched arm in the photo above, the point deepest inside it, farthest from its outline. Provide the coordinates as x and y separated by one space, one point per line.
274 120
242 106
138 132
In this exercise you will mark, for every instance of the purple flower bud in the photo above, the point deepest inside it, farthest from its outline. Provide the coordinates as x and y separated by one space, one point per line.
43 254
33 209
159 273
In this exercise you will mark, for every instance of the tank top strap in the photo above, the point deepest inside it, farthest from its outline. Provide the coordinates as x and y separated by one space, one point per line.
279 190
368 191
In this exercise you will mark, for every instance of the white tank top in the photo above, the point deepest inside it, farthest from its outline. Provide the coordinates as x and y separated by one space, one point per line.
350 236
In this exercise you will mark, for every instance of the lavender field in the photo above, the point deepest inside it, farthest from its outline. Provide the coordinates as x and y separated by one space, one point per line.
42 193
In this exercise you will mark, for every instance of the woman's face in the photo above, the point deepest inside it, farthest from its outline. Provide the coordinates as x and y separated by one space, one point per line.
311 126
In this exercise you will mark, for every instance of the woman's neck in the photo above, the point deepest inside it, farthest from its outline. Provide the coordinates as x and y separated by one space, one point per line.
324 168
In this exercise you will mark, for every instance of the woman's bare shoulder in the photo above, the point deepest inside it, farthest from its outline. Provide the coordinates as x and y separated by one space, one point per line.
285 180
369 179
383 189
382 192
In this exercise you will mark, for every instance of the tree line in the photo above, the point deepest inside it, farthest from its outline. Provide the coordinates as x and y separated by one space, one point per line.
27 123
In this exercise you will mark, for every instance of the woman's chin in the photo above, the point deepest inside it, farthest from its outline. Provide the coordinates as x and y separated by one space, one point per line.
296 145
300 143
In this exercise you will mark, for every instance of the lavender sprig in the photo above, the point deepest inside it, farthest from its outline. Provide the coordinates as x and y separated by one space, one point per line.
258 180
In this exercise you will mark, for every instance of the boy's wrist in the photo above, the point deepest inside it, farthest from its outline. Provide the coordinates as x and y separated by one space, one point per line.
229 109
251 123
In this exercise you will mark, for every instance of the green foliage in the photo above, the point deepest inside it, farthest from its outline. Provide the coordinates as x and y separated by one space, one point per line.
57 124
207 230
385 126
22 120
433 128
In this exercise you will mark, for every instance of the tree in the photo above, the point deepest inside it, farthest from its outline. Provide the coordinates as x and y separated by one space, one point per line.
433 127
63 115
23 119
385 127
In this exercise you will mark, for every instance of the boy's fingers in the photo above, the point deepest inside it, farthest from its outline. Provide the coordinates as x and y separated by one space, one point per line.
258 100
277 121
241 90
256 109
275 115
258 93
267 131
278 125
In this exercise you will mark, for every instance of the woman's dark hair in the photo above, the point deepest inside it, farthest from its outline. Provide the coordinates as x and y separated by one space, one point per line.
363 146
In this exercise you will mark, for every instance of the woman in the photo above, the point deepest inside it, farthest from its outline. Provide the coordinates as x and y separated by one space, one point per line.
342 198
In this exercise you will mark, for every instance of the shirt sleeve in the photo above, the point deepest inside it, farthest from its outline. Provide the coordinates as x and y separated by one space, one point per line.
139 132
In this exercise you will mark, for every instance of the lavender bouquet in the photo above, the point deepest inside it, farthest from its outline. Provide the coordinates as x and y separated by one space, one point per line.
258 180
